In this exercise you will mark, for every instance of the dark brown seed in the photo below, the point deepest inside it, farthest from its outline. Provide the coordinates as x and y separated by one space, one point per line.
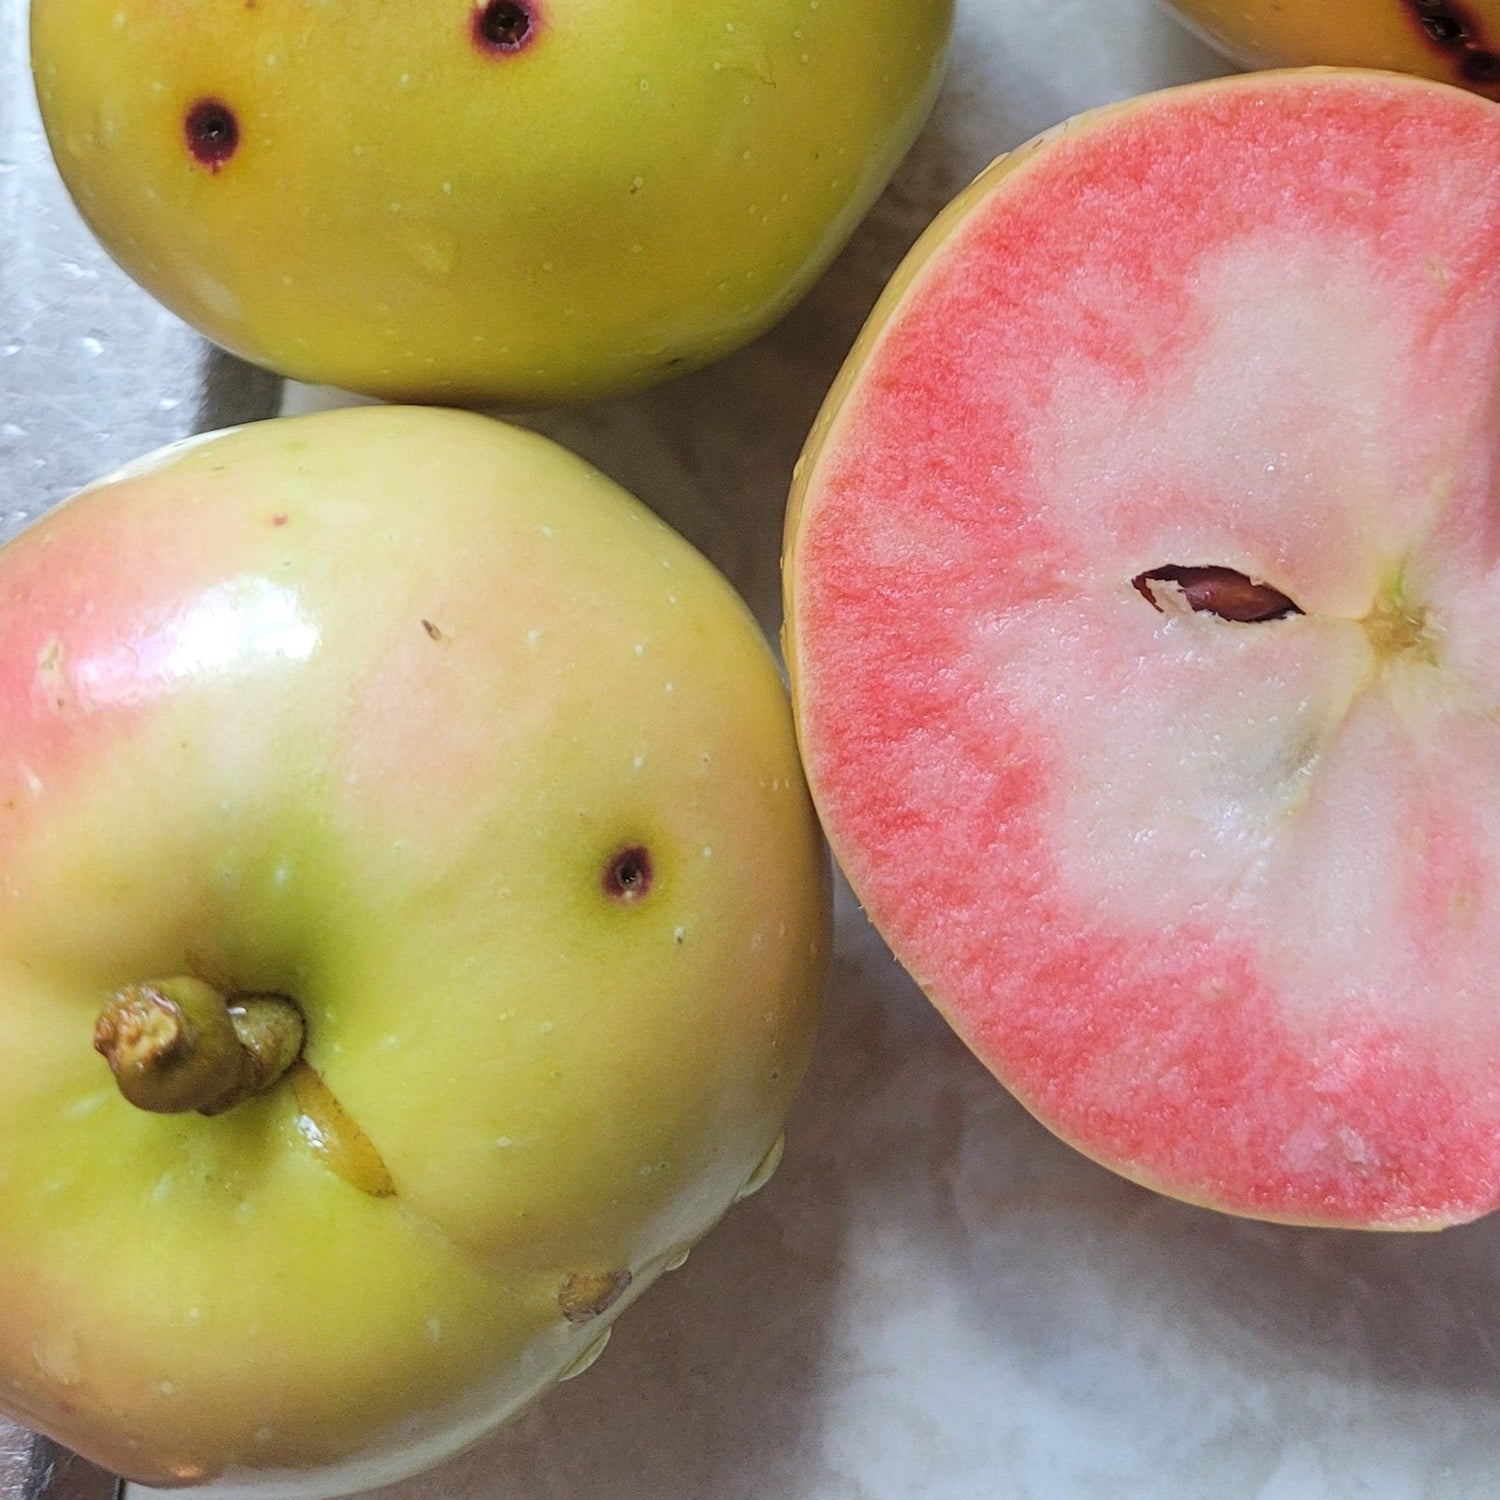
1220 591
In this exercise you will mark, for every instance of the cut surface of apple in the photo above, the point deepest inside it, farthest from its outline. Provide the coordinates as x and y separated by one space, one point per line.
418 723
1143 599
1454 41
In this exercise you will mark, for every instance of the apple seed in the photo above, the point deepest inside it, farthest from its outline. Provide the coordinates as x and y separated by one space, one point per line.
1219 591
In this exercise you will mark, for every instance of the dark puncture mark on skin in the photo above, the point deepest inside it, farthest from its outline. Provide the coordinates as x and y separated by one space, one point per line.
502 27
213 133
1453 31
628 876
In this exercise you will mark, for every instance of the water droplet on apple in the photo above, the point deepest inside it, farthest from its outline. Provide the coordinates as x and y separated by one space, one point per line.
587 1358
765 1171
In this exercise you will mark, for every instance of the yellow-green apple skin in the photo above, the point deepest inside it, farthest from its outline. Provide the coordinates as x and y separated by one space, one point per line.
400 207
1454 41
362 708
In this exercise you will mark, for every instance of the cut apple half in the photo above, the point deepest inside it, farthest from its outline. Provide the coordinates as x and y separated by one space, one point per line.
1143 610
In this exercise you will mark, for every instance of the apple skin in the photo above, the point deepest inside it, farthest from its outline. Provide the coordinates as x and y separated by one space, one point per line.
1453 41
1217 901
638 189
358 707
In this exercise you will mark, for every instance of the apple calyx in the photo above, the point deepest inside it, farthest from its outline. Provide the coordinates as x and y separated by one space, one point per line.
1397 626
587 1294
176 1045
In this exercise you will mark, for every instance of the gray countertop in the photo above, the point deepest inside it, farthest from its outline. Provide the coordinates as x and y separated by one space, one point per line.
934 1298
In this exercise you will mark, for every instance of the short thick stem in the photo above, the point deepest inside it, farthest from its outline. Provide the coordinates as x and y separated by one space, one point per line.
176 1045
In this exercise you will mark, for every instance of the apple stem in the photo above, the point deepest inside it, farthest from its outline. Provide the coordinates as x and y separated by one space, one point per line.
176 1045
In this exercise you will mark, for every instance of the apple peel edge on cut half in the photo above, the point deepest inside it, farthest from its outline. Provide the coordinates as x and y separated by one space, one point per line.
1143 616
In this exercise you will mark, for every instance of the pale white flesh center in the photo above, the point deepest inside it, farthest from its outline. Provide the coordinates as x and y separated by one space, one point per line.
1321 787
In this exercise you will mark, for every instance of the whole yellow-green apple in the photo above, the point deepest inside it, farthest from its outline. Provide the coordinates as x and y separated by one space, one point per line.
1456 41
519 201
407 740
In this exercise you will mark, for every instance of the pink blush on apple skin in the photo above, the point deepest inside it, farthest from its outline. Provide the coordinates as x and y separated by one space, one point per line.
1219 902
105 627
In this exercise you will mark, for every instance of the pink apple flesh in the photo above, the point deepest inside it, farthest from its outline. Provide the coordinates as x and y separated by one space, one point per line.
1219 900
364 709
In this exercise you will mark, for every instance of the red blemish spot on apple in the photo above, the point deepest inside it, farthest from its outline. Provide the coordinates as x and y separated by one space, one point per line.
504 26
213 133
279 519
628 877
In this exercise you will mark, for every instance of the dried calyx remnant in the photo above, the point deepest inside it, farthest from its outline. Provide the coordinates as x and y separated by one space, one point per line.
1218 591
179 1045
587 1294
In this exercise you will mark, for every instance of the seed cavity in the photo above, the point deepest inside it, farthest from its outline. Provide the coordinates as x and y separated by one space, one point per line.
628 876
213 133
504 26
1225 592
